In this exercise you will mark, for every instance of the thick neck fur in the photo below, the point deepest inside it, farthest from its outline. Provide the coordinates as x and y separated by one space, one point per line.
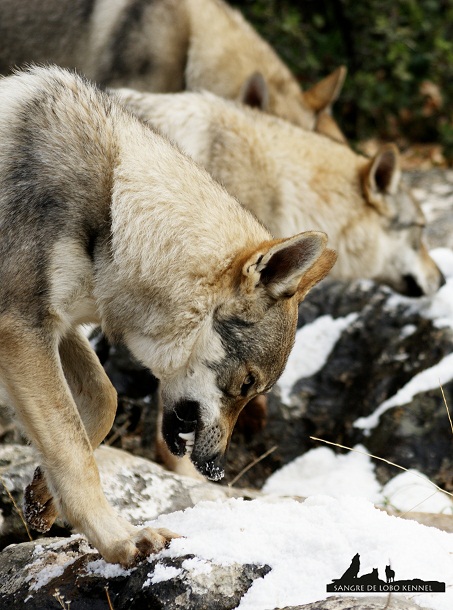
175 232
292 179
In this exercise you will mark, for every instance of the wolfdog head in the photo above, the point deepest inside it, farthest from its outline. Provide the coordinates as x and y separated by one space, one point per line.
242 347
404 262
310 109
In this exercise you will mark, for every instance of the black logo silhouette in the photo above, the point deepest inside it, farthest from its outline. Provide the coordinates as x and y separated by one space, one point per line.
353 569
389 574
371 583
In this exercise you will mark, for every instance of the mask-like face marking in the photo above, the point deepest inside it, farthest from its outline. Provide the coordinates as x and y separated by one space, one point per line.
201 409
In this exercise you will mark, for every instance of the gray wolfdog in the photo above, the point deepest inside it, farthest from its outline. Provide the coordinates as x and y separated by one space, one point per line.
165 46
102 220
294 180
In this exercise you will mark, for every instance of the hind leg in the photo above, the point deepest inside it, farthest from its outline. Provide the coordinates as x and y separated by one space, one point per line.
89 386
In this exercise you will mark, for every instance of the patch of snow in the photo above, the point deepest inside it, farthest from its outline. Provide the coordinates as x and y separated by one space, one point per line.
53 560
313 345
429 379
48 573
197 566
106 570
140 504
407 330
309 544
161 573
412 490
321 471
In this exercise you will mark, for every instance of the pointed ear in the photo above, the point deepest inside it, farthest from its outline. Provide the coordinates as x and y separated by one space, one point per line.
254 92
316 273
326 92
279 267
327 126
381 177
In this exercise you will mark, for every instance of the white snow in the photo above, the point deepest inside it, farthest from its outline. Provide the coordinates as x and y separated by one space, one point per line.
321 471
429 379
313 345
108 570
411 491
162 573
52 561
309 544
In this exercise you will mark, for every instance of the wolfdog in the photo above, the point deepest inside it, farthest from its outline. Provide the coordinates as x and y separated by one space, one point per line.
165 46
103 220
294 180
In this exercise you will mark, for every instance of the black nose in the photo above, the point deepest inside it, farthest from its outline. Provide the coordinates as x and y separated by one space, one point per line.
442 280
213 468
183 418
411 289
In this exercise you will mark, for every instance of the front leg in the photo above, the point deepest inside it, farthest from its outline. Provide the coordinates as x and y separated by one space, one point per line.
36 383
96 401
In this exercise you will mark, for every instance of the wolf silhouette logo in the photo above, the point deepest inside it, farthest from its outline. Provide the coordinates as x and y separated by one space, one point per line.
370 582
389 574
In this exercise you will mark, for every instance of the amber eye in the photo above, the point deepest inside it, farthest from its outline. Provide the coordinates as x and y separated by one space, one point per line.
247 384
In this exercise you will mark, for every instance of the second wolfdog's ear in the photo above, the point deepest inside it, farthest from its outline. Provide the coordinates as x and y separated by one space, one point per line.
381 177
279 268
254 92
327 126
326 92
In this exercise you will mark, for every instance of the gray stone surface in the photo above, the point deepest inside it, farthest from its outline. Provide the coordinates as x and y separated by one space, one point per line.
359 603
47 574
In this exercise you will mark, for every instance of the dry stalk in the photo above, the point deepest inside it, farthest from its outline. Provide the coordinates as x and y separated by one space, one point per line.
118 433
376 457
60 599
251 465
109 601
19 512
446 406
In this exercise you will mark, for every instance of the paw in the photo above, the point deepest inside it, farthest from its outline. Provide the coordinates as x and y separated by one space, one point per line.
142 542
39 507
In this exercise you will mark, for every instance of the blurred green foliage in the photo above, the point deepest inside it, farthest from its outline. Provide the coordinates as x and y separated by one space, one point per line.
399 55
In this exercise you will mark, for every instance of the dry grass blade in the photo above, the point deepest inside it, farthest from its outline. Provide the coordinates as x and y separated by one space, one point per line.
19 512
446 406
109 601
118 433
61 600
376 457
249 466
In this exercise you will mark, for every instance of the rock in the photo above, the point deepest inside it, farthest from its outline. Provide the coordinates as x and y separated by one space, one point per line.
50 573
359 603
139 489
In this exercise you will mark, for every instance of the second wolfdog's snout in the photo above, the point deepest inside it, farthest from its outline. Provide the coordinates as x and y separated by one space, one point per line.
179 426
